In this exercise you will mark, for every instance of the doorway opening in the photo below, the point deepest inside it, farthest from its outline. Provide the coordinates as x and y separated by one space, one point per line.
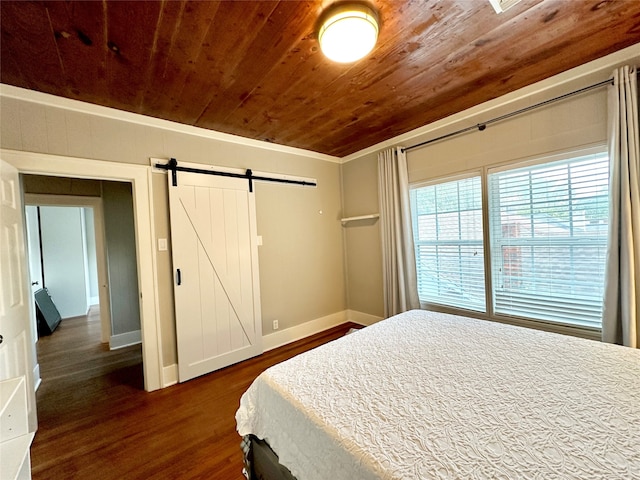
139 178
82 249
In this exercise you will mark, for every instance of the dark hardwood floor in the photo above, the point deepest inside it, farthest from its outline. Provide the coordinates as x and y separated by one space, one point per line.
96 422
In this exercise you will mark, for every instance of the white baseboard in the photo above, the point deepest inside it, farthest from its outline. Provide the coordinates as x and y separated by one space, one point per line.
125 339
94 301
169 375
362 318
37 380
289 335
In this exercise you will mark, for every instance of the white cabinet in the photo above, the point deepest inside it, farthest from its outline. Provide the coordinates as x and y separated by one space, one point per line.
15 439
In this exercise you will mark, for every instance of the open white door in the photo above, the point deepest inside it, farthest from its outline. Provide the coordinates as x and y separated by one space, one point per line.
215 261
17 350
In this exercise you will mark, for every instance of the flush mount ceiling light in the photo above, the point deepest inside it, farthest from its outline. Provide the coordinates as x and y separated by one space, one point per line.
348 31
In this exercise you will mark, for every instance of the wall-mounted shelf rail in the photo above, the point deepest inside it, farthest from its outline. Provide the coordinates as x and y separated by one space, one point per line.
360 217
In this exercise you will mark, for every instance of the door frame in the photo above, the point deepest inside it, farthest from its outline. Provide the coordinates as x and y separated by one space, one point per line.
140 178
95 203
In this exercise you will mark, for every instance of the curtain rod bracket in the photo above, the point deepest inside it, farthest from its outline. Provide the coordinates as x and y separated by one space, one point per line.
481 126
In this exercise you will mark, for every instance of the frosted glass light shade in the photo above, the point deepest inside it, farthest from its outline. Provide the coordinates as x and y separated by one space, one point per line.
348 32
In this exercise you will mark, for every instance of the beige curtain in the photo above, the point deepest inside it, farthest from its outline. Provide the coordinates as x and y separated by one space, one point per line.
398 255
622 289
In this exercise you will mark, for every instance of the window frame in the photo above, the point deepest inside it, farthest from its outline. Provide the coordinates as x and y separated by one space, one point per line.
585 331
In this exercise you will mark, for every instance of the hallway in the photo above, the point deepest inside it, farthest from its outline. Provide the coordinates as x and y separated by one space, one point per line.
83 383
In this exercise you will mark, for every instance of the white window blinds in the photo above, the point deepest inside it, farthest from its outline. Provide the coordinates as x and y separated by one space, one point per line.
447 228
548 230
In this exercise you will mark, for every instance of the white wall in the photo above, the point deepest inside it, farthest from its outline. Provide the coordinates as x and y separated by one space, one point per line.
64 259
70 256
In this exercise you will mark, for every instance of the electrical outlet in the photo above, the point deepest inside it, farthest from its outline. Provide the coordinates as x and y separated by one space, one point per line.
275 325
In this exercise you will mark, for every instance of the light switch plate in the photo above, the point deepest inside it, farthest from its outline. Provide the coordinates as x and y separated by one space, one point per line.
162 244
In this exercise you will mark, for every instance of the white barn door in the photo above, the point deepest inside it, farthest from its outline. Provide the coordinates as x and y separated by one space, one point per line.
215 265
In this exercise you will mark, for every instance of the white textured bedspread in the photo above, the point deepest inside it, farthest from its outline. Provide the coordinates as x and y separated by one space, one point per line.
426 395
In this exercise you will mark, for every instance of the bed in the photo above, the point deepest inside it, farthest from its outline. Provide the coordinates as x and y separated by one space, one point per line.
426 395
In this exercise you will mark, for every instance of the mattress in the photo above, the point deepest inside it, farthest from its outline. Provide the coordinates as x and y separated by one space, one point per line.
426 395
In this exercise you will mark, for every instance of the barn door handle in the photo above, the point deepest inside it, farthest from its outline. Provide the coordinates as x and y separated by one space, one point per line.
178 277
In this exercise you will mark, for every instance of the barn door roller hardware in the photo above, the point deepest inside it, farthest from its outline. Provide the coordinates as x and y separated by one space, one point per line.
174 168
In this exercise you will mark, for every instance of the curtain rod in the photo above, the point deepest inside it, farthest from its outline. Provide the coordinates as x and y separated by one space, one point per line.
483 125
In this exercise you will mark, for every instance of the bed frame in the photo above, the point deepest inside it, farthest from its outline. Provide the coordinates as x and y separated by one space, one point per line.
261 462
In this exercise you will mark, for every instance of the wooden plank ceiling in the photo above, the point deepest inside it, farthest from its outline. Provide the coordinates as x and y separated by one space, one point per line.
254 68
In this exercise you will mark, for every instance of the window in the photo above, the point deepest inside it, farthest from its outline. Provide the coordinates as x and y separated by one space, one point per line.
447 229
548 228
